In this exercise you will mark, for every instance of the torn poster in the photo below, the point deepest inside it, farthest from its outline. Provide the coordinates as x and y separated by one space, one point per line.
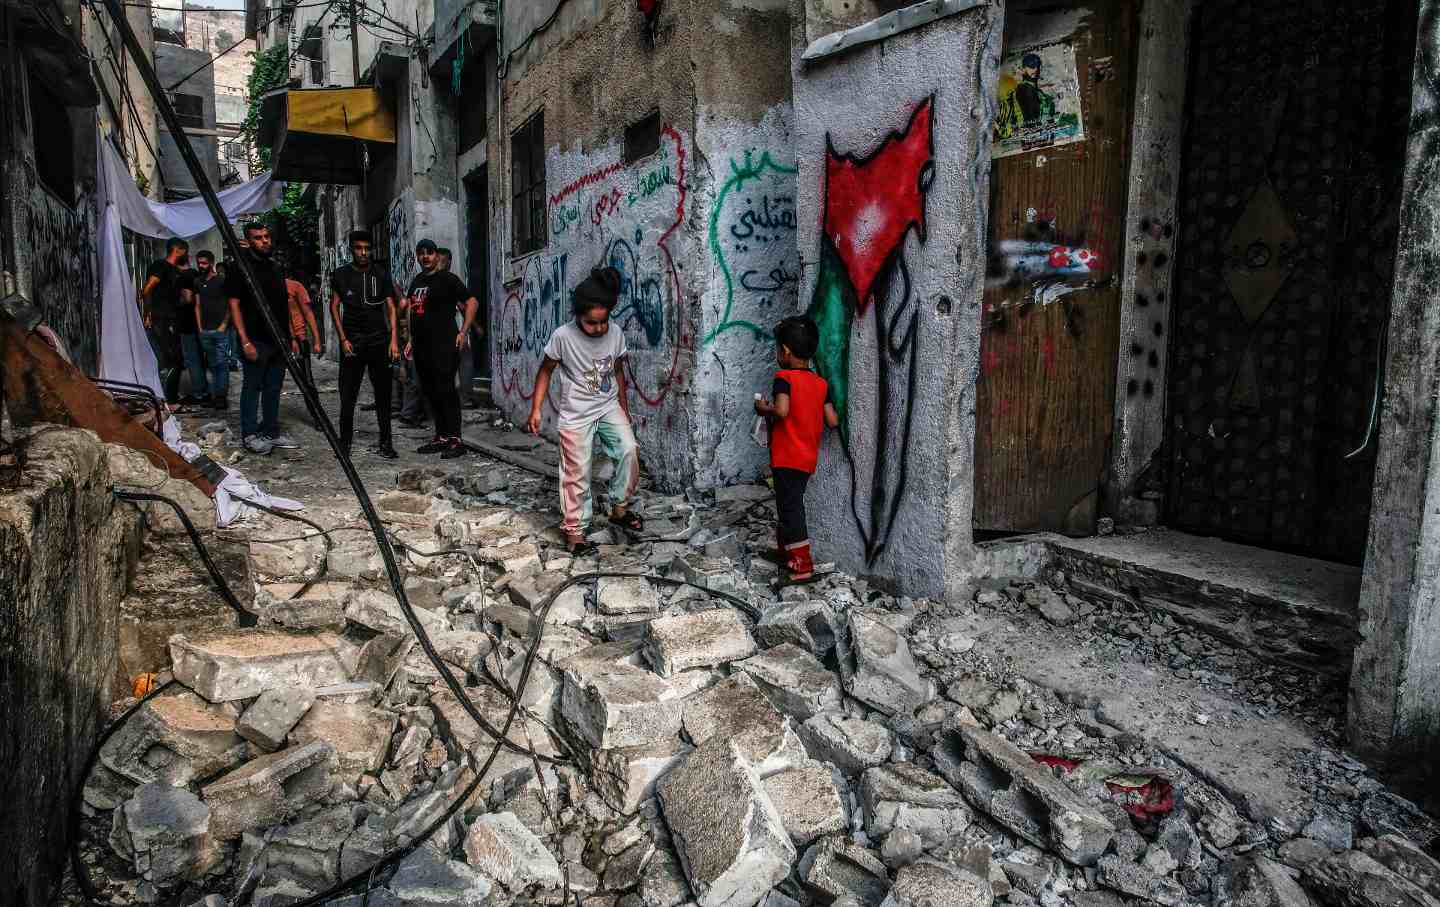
1039 100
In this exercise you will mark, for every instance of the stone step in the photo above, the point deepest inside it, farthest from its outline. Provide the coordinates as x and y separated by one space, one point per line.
227 665
172 593
1282 607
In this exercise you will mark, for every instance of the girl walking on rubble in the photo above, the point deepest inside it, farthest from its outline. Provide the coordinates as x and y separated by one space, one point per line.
592 407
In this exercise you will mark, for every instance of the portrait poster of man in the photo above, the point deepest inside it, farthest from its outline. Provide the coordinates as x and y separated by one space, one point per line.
1039 100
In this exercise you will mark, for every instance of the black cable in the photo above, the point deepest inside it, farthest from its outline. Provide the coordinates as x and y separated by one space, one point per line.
534 33
247 619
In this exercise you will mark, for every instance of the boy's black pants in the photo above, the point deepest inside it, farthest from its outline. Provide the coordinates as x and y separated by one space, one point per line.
374 361
790 505
435 366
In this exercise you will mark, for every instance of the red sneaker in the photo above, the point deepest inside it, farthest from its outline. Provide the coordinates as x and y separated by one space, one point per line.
799 563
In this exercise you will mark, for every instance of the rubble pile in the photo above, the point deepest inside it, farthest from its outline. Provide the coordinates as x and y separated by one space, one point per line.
825 745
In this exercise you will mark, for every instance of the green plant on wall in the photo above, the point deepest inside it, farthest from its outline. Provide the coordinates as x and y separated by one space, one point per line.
295 220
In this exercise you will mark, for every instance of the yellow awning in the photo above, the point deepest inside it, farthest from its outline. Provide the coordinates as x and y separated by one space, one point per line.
356 113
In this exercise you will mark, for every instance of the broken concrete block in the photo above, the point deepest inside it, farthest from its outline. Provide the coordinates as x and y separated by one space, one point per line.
231 665
1254 881
164 832
883 673
930 882
852 744
1022 795
380 611
499 846
268 720
836 868
1126 877
626 776
320 607
1356 879
621 706
1405 858
494 706
175 738
903 795
901 848
663 882
737 709
794 680
309 851
382 657
808 801
707 573
357 734
624 871
520 559
267 790
530 592
809 624
700 640
727 833
630 595
427 879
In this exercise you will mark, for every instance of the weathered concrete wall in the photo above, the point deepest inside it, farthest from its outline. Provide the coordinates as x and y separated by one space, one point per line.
173 63
1394 718
704 283
892 144
66 551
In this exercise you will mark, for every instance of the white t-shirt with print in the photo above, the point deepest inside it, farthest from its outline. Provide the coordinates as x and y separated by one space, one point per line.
587 388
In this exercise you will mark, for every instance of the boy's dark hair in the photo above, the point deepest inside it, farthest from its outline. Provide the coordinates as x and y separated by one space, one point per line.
361 236
205 253
444 251
600 290
799 335
256 226
174 243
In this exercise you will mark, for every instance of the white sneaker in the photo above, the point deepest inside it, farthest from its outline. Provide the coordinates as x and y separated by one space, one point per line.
258 445
284 442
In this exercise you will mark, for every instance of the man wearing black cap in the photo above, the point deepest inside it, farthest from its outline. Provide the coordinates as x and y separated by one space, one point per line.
362 307
436 345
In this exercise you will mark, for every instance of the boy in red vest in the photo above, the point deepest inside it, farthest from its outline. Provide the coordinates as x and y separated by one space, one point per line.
798 416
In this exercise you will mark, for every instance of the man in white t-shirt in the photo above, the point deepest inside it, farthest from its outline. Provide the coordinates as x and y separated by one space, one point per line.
592 406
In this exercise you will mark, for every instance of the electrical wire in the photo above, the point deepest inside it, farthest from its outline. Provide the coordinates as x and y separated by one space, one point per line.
535 32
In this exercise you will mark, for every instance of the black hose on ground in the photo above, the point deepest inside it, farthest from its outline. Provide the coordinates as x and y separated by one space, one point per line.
247 618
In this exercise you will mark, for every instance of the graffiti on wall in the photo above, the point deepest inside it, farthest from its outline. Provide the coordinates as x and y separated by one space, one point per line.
871 205
752 242
61 245
401 240
626 218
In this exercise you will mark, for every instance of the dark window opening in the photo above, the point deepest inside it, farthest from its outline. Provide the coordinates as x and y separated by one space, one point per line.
190 110
471 102
527 184
642 139
55 142
317 72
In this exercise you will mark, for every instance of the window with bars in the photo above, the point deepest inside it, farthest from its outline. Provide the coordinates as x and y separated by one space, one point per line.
527 185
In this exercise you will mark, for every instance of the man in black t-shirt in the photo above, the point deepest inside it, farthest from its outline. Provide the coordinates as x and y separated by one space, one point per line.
263 361
160 303
213 308
362 307
436 344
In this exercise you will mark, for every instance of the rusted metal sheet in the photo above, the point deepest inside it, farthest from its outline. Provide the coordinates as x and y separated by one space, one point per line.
40 386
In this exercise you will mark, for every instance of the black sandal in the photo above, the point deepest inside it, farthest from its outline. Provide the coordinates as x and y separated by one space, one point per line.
629 521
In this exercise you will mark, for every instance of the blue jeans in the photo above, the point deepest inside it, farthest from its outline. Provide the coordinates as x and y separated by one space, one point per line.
190 349
216 345
260 390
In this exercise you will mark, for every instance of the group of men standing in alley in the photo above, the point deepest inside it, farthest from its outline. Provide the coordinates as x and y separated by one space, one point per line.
206 322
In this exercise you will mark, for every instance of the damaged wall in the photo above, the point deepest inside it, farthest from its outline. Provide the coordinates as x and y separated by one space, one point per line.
704 281
893 151
67 547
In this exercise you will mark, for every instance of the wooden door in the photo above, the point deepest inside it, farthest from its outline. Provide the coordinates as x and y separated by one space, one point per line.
1046 388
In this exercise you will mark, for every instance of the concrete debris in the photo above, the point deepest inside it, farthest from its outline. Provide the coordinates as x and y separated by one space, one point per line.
1254 881
356 734
728 834
736 709
808 801
882 671
269 719
663 882
519 559
808 624
175 738
794 680
309 851
1331 828
1131 878
427 879
165 832
1356 879
625 776
901 848
835 868
1020 794
381 612
625 869
930 883
1385 813
499 846
1404 858
630 595
268 790
852 744
620 706
230 665
700 640
903 795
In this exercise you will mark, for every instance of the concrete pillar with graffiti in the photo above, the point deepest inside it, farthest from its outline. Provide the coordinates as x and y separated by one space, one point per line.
892 149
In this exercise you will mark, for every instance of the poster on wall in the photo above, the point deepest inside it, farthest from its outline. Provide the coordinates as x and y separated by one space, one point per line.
1039 100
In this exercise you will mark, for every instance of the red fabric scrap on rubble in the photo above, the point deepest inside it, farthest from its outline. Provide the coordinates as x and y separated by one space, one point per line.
1144 797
